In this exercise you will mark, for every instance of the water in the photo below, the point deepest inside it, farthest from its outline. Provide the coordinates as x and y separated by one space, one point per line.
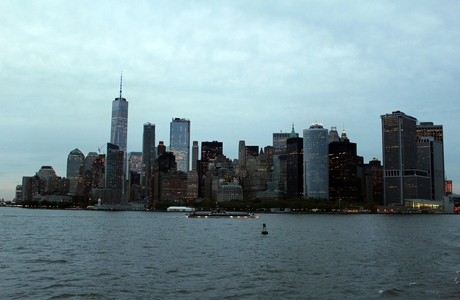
60 254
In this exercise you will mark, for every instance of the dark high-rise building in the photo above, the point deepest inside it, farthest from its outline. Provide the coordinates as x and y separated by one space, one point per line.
161 148
135 166
194 155
373 182
401 178
343 167
294 171
149 153
279 141
252 151
430 158
180 142
316 162
114 163
437 168
88 174
209 151
164 163
429 129
75 164
242 157
275 163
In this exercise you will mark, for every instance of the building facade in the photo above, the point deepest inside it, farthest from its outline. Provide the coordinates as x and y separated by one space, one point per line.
119 128
316 162
149 153
180 142
114 162
75 166
343 172
437 169
430 158
294 170
402 179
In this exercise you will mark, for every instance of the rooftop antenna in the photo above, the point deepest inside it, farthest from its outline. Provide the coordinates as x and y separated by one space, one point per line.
121 83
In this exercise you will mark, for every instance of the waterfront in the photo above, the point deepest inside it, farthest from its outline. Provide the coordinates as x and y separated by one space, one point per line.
58 254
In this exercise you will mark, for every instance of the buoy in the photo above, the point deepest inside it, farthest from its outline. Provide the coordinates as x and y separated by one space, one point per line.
264 229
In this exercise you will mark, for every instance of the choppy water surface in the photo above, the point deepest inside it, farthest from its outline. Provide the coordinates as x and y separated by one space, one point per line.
57 254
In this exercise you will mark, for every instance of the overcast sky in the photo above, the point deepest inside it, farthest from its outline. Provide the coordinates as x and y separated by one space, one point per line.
239 70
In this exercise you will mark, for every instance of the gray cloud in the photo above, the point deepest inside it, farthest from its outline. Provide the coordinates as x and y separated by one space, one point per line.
237 70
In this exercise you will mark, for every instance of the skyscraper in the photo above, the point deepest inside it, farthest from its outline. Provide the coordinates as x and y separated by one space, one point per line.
279 142
119 129
242 155
135 164
149 153
180 142
75 164
194 155
278 168
401 178
294 170
316 162
114 163
343 170
210 150
430 158
437 168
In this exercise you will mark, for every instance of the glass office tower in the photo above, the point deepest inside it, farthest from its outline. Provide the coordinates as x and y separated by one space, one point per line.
179 140
75 164
316 162
119 129
114 163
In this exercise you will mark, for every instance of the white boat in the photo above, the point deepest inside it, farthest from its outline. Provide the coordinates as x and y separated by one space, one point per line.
221 214
180 209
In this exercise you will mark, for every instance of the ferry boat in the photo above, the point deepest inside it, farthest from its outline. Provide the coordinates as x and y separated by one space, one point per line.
180 208
221 214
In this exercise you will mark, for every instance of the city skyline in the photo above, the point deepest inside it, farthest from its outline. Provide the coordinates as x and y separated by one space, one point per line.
237 71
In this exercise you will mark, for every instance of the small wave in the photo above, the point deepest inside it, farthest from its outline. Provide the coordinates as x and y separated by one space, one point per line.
172 271
390 292
85 296
48 261
64 296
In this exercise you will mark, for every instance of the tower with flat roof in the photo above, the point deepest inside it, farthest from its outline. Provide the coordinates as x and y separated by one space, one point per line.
316 162
402 179
179 142
149 153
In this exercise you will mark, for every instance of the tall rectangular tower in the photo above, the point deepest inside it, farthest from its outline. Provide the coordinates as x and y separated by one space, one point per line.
401 178
114 163
194 155
149 153
294 170
316 162
437 168
180 142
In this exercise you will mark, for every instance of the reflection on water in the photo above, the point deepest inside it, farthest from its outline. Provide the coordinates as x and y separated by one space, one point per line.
141 255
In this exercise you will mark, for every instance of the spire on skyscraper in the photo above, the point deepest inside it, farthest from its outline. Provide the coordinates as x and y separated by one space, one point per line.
344 134
293 134
121 83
